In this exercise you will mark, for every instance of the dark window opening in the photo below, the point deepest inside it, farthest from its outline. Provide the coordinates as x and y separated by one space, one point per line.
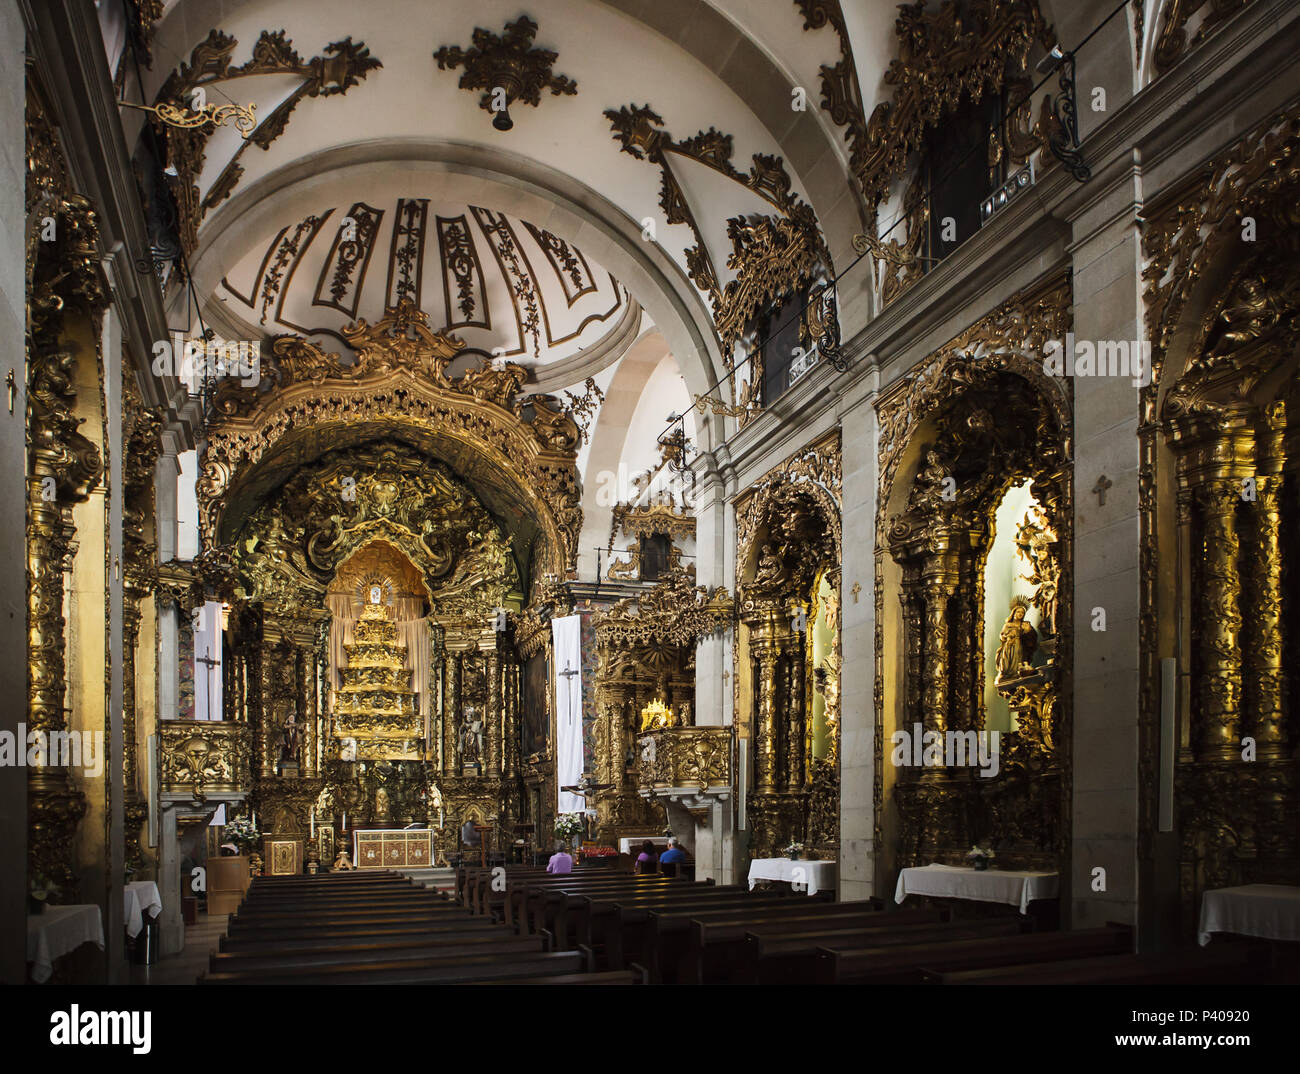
656 554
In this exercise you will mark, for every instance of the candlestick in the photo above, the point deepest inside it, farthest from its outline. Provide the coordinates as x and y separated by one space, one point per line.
313 823
345 820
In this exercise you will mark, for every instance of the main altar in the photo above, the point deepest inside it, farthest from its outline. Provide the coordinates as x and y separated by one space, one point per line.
388 849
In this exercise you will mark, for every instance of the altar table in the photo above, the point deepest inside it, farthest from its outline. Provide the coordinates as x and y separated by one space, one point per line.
818 875
389 848
989 885
140 898
59 931
1269 911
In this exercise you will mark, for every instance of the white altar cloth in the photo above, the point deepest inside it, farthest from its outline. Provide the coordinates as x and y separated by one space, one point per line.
1269 911
818 875
140 899
59 930
990 885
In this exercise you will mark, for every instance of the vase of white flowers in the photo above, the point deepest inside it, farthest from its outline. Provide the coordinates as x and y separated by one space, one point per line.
979 857
794 850
244 834
568 827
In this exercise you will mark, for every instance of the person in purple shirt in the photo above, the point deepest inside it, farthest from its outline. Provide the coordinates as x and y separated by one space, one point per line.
647 861
561 862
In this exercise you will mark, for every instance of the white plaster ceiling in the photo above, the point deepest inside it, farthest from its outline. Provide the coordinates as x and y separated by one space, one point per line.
504 286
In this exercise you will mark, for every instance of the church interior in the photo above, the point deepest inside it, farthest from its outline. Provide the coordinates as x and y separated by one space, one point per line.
650 492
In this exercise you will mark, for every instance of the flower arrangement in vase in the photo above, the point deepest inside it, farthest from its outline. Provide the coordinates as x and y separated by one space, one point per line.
980 858
244 834
568 826
794 850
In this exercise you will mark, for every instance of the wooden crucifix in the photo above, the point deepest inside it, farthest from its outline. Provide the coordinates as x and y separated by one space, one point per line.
1100 489
206 658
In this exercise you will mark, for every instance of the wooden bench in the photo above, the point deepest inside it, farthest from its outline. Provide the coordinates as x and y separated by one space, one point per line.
1201 967
279 959
537 904
617 923
673 941
906 963
454 970
772 954
395 933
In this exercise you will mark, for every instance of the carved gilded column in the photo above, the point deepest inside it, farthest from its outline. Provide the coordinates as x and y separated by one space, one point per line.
510 685
450 716
913 616
796 722
495 716
765 725
1263 643
934 675
1219 734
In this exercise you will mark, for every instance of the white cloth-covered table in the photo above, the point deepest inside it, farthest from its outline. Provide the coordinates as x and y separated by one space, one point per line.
818 875
59 930
140 899
990 885
1269 911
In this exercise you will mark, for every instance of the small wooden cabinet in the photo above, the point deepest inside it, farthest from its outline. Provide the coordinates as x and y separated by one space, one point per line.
228 880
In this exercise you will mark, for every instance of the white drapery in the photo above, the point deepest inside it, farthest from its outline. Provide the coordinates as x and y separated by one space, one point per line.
567 636
412 631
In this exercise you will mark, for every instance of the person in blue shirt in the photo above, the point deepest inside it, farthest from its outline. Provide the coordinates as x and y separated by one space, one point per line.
673 854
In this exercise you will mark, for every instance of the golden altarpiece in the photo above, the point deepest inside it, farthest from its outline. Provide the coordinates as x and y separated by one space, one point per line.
1220 506
386 531
974 420
788 651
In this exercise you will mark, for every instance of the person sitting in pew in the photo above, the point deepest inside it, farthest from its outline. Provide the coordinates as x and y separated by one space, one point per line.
669 859
647 861
561 861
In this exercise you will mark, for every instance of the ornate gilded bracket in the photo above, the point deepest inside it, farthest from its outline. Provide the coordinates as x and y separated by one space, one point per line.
507 68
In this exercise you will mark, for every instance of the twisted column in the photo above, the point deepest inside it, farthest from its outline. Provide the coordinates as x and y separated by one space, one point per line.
1219 734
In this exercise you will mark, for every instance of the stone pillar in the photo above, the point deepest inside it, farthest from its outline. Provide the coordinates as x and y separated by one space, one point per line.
858 610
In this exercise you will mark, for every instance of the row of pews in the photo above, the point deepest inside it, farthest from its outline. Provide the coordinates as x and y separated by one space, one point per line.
671 931
382 928
521 925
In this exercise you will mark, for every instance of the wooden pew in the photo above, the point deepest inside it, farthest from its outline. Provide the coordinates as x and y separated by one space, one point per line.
546 905
454 970
604 977
1227 965
773 955
710 947
905 963
393 933
618 922
672 942
280 959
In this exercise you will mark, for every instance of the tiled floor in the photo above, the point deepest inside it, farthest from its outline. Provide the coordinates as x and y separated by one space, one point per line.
183 969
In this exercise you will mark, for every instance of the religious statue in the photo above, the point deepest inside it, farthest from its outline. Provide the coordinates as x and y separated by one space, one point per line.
289 736
471 738
468 836
381 804
769 569
1017 642
1036 542
376 594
